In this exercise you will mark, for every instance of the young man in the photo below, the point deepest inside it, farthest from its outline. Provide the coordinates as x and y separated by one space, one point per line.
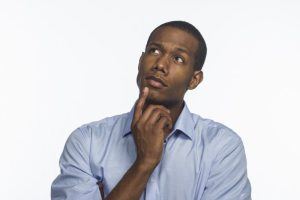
159 150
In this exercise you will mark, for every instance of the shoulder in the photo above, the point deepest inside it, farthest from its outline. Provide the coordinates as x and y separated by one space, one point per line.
99 128
215 135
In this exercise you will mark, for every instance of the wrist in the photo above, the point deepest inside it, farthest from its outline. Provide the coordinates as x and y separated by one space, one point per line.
144 166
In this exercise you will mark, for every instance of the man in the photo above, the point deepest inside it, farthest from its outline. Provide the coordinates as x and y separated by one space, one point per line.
159 150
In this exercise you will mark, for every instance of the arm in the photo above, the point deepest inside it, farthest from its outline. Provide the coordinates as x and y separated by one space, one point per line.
228 177
132 184
76 181
149 129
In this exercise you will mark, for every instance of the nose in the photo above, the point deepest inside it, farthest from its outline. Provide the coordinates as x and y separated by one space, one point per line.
161 64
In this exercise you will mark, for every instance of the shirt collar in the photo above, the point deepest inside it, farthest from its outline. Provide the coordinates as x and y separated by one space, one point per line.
184 124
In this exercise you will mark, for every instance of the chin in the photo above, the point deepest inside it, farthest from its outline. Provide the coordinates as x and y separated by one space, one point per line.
154 97
155 101
160 100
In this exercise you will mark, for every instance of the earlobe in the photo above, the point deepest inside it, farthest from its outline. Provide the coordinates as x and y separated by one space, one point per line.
196 80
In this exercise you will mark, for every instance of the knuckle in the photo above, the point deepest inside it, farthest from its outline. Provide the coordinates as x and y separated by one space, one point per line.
165 115
138 126
164 118
156 110
138 103
165 110
151 107
147 128
159 107
160 110
162 107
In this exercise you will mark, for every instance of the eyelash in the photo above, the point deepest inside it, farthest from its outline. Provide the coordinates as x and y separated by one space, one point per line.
180 58
151 50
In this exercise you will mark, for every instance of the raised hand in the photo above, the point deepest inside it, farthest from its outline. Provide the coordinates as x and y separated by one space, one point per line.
149 129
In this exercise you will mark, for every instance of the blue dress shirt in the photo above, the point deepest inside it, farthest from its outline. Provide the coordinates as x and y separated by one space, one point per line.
202 160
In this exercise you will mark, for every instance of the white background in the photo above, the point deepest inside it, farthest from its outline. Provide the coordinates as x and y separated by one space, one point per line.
66 63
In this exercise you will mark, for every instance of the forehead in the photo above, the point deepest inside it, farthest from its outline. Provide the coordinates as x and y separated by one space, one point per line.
175 37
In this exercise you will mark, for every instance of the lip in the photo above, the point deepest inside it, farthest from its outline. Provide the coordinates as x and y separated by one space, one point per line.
155 81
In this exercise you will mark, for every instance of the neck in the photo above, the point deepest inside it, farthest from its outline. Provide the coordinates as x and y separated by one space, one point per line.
175 111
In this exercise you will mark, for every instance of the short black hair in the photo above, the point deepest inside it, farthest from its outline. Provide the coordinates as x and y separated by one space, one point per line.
189 28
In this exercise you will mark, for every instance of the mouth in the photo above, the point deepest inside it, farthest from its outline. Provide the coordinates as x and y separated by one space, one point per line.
155 82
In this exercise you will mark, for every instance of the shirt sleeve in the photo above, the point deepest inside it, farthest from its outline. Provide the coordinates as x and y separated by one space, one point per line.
228 178
75 181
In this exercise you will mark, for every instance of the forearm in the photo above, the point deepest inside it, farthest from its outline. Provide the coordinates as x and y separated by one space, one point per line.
132 184
148 131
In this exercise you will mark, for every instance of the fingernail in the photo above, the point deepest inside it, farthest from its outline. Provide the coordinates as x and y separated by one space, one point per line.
145 89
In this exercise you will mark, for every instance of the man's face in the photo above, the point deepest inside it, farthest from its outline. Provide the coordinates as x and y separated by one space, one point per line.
167 66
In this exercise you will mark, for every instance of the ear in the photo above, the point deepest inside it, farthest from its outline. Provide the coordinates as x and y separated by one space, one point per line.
196 79
141 59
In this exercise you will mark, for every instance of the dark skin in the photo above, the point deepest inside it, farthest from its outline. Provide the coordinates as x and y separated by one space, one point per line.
169 58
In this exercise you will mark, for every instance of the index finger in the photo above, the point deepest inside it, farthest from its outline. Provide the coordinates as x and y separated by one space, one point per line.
140 104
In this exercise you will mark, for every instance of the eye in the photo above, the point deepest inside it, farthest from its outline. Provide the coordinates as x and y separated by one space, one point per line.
154 51
179 59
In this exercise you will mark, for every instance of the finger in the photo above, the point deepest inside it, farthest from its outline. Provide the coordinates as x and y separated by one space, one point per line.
139 105
164 122
149 110
156 115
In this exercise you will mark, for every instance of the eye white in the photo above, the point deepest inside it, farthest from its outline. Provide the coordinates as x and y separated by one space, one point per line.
178 59
155 51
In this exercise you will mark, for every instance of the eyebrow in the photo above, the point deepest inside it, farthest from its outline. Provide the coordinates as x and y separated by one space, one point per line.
177 48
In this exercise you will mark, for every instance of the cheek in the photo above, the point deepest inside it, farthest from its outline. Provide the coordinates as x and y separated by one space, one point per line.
144 67
140 77
178 89
182 81
148 62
